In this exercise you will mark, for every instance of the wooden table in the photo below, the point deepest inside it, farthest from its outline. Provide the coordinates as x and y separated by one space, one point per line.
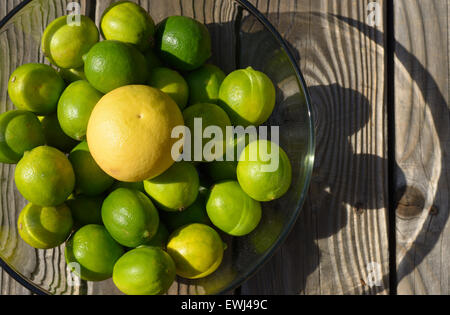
376 218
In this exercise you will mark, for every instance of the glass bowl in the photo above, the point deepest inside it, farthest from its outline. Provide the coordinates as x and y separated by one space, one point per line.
242 37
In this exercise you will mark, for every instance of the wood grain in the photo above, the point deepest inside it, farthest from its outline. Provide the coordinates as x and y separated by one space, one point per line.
422 134
343 228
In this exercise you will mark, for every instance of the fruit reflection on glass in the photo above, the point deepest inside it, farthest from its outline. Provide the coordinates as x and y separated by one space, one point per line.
94 145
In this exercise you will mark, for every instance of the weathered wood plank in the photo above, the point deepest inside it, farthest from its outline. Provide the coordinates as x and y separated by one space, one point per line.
422 135
342 233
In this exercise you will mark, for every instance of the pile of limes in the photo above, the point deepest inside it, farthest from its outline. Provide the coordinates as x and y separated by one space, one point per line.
93 142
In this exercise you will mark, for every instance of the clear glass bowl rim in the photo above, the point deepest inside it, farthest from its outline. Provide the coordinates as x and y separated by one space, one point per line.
309 164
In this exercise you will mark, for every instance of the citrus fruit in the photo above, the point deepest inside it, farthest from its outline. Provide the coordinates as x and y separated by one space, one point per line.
197 250
72 75
183 43
258 177
89 177
226 169
75 107
176 189
152 60
171 83
196 213
204 84
210 115
36 88
129 133
222 170
130 217
144 271
86 210
112 64
248 96
160 238
92 253
232 210
55 136
20 131
127 22
45 177
65 42
45 227
136 186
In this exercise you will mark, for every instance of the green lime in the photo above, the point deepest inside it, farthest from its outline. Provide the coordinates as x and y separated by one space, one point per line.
176 189
55 136
204 84
130 217
197 250
226 169
66 40
136 186
264 171
91 253
248 96
196 213
161 237
144 271
222 170
232 210
45 227
113 64
86 210
183 43
72 75
152 60
209 115
36 88
45 177
75 107
171 83
127 22
20 131
90 178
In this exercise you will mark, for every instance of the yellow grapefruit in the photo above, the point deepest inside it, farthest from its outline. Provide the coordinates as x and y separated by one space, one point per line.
129 132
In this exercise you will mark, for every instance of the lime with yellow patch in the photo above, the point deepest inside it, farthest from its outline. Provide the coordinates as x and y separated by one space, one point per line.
197 250
66 40
127 22
35 88
45 227
45 177
130 133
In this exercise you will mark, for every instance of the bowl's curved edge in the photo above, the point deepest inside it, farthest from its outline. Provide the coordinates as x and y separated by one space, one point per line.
252 9
15 275
311 149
